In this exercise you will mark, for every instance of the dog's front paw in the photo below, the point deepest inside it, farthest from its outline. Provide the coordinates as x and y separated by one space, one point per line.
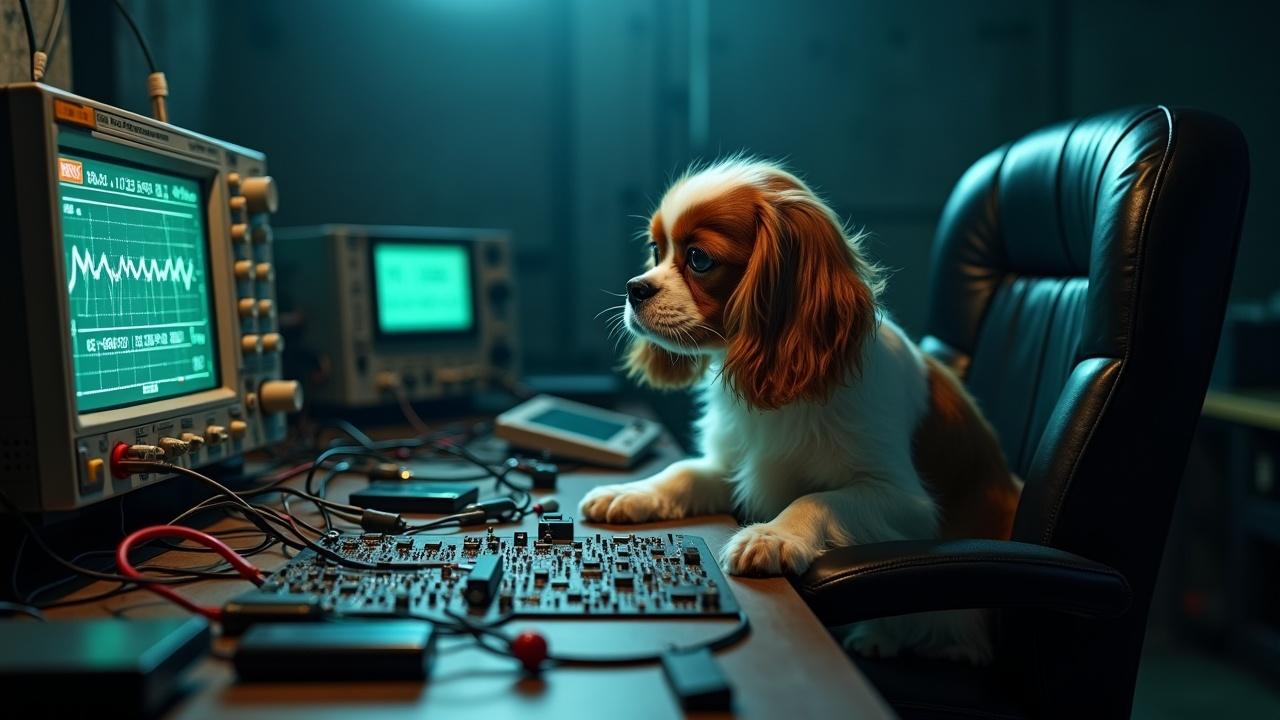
621 504
765 549
869 639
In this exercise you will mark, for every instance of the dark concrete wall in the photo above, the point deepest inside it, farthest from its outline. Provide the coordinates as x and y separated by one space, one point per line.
563 119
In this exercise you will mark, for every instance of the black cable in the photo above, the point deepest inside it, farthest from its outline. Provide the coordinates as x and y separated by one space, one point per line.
53 555
32 49
142 42
20 609
55 26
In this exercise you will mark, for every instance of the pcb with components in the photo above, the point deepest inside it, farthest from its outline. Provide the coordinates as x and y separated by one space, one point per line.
487 576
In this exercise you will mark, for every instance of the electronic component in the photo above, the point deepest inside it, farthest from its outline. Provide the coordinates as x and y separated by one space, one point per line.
576 431
483 580
589 576
697 680
76 668
555 528
415 496
342 650
143 288
424 311
256 607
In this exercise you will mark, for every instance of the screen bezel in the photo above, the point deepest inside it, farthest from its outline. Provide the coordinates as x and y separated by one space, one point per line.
120 151
415 338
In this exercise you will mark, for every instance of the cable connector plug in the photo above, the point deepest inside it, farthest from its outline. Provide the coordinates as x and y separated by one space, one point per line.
158 91
38 62
377 521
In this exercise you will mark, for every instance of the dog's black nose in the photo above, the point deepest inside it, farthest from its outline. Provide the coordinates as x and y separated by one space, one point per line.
640 290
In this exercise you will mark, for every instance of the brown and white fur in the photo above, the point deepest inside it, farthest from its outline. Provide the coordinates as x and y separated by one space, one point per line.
822 423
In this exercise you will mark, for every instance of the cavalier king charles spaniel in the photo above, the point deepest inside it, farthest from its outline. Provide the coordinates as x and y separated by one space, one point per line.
822 423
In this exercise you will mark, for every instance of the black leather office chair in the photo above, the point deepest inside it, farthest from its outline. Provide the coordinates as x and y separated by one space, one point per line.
1080 277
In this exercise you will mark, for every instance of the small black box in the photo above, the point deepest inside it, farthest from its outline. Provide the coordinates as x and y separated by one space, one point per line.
380 649
415 496
124 668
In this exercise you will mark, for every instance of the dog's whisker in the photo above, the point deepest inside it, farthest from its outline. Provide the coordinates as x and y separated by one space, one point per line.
615 294
611 307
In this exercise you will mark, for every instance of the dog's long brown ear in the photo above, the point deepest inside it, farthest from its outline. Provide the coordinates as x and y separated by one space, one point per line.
660 368
798 320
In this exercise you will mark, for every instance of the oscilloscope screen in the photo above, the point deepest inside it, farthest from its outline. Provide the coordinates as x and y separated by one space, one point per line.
134 245
422 289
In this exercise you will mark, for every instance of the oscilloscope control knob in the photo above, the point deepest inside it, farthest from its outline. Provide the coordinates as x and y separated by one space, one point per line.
194 442
262 271
272 342
233 180
244 269
238 428
266 307
280 396
261 234
260 192
251 344
248 307
240 233
215 434
237 203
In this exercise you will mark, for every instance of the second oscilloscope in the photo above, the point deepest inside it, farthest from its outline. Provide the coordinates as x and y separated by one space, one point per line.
141 278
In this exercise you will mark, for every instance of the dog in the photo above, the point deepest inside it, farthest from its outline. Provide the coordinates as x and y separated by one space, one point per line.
821 423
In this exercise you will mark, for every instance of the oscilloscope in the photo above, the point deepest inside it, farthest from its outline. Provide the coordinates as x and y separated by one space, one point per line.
425 310
141 278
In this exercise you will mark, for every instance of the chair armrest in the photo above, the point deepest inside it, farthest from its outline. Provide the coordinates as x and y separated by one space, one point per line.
860 582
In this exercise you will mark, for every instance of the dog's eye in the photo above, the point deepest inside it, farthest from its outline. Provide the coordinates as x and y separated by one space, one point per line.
653 250
698 260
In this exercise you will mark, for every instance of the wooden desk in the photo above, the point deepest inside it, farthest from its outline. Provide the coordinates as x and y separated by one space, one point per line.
788 667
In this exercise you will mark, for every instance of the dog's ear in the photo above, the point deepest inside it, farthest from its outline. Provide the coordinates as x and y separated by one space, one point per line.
660 368
798 320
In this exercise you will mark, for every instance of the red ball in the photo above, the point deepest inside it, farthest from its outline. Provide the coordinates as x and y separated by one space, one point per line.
530 648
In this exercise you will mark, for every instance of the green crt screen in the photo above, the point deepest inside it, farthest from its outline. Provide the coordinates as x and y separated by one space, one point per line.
134 246
422 288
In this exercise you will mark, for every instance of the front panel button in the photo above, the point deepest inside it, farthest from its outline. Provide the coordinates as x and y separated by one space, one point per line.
238 428
248 307
263 272
240 233
243 269
272 342
251 344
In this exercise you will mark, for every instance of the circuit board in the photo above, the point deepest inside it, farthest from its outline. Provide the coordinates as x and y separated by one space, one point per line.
488 576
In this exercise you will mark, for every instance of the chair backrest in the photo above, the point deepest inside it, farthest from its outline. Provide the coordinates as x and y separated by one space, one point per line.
1080 277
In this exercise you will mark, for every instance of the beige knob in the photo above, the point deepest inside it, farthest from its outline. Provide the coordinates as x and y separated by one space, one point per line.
193 441
262 271
233 180
279 396
251 344
244 269
262 234
238 428
215 434
251 401
272 342
248 307
237 204
266 307
261 194
240 233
